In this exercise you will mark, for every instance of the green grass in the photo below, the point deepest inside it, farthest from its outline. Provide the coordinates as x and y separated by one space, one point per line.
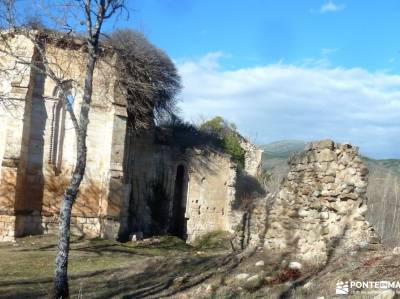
213 240
100 267
32 258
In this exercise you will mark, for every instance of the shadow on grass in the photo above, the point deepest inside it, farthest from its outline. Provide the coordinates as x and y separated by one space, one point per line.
158 263
147 247
137 281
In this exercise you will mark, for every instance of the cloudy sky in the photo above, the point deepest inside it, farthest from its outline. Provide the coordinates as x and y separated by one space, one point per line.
286 69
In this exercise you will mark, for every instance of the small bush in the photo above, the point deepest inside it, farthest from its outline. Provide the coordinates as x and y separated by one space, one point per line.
227 133
285 275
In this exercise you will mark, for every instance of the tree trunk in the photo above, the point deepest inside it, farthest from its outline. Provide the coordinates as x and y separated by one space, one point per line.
61 289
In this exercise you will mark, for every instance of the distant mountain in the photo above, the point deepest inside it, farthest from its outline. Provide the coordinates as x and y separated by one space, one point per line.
283 148
276 154
392 165
383 186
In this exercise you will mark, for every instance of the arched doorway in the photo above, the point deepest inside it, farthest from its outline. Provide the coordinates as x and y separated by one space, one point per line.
178 223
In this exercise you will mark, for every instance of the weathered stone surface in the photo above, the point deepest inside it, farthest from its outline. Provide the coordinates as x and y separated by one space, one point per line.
323 144
295 266
242 276
252 157
253 278
130 182
260 264
396 250
331 203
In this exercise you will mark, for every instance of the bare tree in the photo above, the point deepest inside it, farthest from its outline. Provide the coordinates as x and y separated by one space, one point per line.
95 13
147 79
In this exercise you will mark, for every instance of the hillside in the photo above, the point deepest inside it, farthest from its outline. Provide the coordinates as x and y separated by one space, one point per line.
278 152
283 148
383 187
392 165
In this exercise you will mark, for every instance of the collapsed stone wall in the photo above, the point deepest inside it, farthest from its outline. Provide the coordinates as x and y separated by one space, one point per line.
206 195
319 209
252 157
321 204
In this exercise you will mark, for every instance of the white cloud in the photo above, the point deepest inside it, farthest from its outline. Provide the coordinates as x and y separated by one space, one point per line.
282 101
329 6
329 51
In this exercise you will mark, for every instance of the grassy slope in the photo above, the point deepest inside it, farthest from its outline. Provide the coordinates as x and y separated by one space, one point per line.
107 269
102 268
276 153
392 165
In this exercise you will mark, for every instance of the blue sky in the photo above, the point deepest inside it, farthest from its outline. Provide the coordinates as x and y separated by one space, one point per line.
284 69
355 33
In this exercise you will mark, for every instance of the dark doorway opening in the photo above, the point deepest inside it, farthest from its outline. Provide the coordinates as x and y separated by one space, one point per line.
178 227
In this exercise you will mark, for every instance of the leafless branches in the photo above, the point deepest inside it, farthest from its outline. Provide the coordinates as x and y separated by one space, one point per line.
26 44
148 78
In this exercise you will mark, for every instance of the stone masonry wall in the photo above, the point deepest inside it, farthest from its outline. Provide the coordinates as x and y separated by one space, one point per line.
252 157
209 188
7 228
129 183
321 204
211 193
31 181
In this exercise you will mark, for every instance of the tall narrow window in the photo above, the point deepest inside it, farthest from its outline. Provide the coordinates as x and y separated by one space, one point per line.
58 136
58 129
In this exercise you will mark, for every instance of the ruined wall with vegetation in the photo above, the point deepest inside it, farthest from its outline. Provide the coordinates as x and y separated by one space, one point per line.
319 208
152 172
133 184
383 191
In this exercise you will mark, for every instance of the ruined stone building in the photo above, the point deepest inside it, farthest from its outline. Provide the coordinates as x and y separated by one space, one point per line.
143 184
319 209
157 182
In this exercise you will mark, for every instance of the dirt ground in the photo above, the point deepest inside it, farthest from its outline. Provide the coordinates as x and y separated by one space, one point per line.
101 268
166 267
